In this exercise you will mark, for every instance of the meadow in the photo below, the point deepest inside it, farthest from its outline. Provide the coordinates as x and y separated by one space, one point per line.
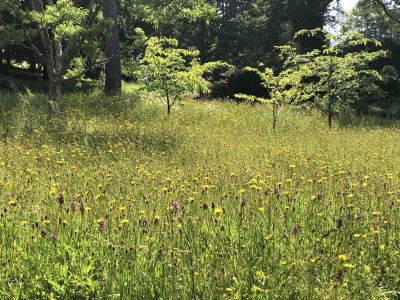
116 200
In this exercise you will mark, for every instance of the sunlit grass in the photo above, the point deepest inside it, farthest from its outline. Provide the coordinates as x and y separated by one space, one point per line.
116 199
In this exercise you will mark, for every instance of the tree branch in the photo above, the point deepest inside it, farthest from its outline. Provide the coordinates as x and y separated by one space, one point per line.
386 10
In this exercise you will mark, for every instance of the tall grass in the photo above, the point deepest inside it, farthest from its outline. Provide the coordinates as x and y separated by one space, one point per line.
117 200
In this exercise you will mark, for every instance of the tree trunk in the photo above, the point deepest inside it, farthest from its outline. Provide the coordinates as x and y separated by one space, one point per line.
330 119
112 51
54 97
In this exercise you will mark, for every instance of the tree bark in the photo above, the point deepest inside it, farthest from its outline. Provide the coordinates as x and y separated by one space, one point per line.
112 84
54 97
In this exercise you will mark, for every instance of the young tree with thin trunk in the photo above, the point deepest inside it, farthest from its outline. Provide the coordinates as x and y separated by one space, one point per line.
339 74
171 72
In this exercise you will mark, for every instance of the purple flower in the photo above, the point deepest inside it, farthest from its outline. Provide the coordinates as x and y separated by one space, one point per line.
295 229
73 206
82 207
244 202
101 225
339 222
358 216
144 222
60 198
175 205
53 237
319 197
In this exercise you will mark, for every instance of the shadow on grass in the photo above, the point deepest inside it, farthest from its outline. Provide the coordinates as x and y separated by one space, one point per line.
367 122
93 122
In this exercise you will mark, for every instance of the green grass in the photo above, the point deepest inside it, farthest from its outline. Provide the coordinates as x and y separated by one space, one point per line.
239 189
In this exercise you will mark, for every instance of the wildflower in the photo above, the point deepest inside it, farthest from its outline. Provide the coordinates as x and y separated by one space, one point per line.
82 207
73 206
53 237
60 198
339 222
244 202
218 210
101 225
156 219
358 216
295 229
342 257
319 196
144 222
175 205
350 266
256 289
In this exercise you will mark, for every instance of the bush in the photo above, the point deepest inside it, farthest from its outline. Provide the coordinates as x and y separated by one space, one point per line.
237 81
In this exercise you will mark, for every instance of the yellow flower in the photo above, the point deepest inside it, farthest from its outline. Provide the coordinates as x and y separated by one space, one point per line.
350 266
350 195
256 289
342 257
122 208
261 208
367 269
357 235
24 223
218 210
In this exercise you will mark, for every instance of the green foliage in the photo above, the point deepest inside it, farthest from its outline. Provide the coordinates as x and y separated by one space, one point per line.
371 20
336 76
173 72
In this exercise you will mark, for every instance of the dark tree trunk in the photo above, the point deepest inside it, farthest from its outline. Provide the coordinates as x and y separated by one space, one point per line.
112 51
54 98
8 57
32 61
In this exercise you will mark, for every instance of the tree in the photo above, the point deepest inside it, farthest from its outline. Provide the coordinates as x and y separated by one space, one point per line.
333 78
172 72
113 79
279 94
65 29
390 7
370 19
